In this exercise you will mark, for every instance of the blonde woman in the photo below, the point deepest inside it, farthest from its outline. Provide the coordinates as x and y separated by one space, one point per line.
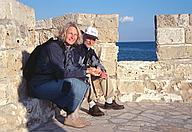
58 77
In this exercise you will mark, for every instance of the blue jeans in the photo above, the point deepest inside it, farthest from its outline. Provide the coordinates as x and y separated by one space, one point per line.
66 93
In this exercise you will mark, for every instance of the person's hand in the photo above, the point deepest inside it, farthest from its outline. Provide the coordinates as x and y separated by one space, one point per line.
104 75
93 71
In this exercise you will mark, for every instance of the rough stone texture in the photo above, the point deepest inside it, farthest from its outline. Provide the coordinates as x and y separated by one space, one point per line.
166 21
189 35
12 9
167 80
183 20
158 81
177 52
170 36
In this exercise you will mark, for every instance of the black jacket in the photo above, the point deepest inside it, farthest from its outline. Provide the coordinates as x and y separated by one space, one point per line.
89 58
58 61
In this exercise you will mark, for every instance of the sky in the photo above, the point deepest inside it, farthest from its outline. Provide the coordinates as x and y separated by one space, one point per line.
136 17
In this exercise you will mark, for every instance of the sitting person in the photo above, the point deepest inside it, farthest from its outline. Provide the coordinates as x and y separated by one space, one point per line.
89 58
59 79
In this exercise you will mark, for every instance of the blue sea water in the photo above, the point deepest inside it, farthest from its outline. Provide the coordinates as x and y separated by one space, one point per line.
137 51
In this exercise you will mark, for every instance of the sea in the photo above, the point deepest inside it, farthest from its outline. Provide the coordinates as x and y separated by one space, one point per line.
137 51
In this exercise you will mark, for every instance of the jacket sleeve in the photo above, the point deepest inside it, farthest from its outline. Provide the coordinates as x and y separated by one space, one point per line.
96 61
56 55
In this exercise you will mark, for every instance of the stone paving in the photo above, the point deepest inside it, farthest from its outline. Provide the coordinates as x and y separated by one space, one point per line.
136 117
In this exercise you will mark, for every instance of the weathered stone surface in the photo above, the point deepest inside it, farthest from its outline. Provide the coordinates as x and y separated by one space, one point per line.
109 20
86 19
126 86
108 34
14 10
170 36
108 52
44 24
190 19
2 36
14 66
3 92
59 22
168 79
183 20
189 35
166 21
170 52
110 66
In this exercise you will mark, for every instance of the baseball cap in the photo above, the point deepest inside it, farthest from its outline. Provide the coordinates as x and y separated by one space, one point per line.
91 32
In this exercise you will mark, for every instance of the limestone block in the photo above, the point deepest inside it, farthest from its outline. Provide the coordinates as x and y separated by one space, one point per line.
170 36
186 91
127 86
3 59
166 21
183 20
59 22
136 70
5 10
174 52
189 51
23 14
173 98
3 72
19 12
14 64
190 19
86 19
109 35
111 67
17 88
15 35
183 71
3 92
107 21
108 52
2 36
189 35
3 64
44 24
44 35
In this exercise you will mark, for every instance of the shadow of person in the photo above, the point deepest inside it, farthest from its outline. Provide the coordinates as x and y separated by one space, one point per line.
38 111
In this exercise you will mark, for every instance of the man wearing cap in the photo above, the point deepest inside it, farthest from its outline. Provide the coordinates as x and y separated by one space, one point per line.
89 58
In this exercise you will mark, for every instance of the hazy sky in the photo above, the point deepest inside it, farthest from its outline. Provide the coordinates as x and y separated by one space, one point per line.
136 17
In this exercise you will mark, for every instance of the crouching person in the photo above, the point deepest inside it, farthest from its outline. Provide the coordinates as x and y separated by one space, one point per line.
58 78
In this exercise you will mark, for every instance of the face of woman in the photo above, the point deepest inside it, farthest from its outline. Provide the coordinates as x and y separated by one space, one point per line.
71 35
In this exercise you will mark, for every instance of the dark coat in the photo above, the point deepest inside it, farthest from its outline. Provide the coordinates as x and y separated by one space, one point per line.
57 61
89 58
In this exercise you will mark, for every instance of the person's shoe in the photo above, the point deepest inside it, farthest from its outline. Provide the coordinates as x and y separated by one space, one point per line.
113 106
95 111
76 122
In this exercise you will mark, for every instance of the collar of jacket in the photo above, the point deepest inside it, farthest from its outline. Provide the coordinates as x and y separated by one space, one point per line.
85 47
64 46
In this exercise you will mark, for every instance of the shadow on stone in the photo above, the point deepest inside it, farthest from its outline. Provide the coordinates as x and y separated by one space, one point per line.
38 112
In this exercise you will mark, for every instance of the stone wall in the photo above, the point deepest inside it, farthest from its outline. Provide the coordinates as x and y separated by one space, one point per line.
19 34
170 78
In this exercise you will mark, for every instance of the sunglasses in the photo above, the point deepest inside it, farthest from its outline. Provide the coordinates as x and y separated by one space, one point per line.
91 37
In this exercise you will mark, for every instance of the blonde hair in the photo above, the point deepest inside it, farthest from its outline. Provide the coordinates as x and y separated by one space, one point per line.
63 32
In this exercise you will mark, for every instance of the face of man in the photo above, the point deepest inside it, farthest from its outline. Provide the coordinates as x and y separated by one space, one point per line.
89 41
71 35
